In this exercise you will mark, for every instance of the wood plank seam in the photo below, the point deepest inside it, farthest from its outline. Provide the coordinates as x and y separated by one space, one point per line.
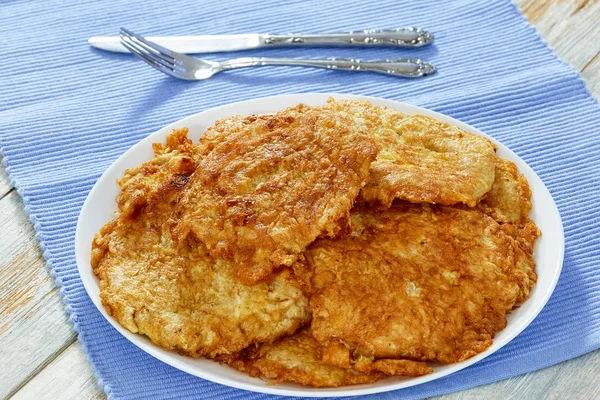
42 296
41 367
7 193
591 61
48 360
72 368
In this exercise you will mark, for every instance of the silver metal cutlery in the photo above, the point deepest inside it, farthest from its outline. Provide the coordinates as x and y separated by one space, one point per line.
401 37
185 67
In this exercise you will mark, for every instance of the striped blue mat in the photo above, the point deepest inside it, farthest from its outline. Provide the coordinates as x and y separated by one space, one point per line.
68 111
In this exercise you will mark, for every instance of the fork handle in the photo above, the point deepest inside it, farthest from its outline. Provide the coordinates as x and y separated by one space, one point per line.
404 67
402 37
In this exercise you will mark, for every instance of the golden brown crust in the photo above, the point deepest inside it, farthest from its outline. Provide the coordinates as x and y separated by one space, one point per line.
400 367
338 354
527 235
422 160
509 203
427 283
509 199
173 163
296 358
268 185
180 297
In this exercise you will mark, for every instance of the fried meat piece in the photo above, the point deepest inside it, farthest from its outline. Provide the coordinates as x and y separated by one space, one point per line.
509 200
509 203
422 160
173 163
421 282
296 358
338 354
269 185
179 296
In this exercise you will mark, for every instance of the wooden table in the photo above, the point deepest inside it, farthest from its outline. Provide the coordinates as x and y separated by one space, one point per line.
40 357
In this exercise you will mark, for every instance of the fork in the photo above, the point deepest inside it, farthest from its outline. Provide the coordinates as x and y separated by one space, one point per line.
193 69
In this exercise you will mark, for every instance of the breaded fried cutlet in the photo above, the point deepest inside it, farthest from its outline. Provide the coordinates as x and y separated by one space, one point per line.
173 163
179 296
422 160
268 185
420 282
298 358
509 203
509 199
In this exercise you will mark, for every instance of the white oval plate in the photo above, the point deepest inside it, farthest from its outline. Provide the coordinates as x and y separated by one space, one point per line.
100 205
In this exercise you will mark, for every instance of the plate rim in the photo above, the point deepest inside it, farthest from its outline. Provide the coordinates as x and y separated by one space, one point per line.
301 391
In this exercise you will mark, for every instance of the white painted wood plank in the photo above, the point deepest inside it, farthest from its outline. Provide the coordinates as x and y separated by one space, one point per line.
577 379
34 327
4 181
591 74
76 379
572 29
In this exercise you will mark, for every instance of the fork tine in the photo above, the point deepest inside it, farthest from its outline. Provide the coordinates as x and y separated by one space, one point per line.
153 46
148 54
150 61
154 64
148 49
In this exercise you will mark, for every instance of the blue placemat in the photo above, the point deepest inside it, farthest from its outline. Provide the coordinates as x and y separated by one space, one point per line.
68 111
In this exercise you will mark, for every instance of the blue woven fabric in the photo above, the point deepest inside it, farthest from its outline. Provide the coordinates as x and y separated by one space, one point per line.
68 111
